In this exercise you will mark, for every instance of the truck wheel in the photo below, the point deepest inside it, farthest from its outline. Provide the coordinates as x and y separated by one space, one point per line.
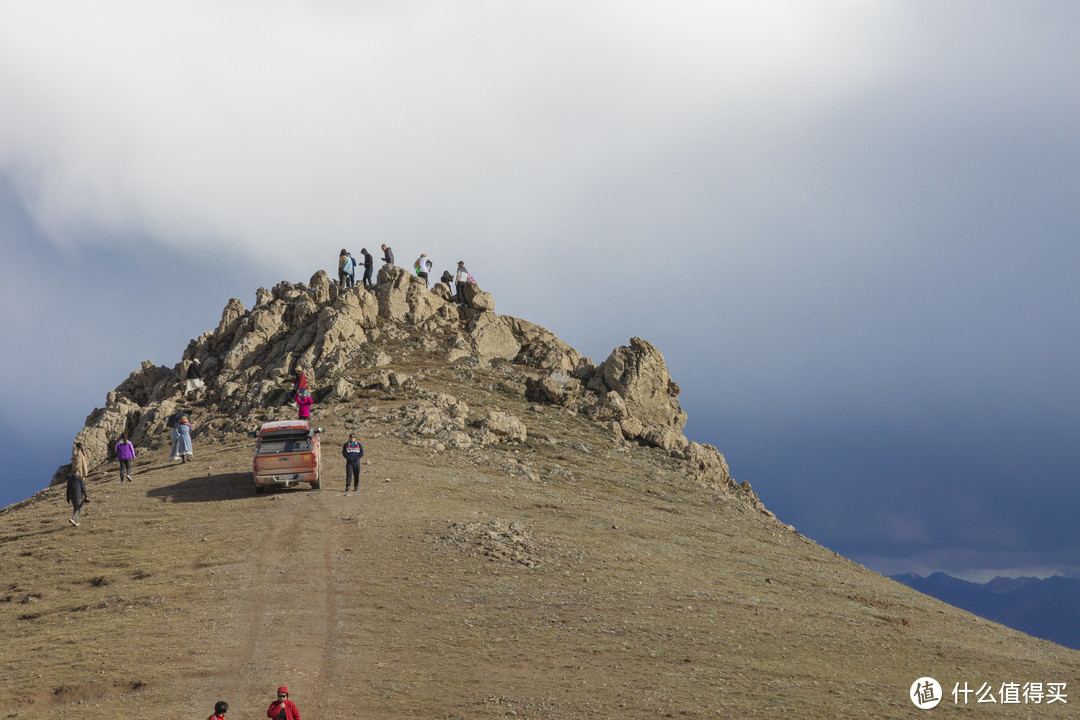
316 485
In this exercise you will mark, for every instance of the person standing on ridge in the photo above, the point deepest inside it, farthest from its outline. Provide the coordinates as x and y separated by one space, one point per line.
387 254
423 267
350 266
299 381
352 451
125 453
76 486
283 708
460 280
369 264
447 278
342 269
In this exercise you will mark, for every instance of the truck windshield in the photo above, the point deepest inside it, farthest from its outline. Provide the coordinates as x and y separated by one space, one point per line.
284 442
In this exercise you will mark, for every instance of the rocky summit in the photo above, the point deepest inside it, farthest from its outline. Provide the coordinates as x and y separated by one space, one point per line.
348 341
533 537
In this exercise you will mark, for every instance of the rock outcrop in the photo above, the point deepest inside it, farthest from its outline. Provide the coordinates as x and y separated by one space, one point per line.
348 342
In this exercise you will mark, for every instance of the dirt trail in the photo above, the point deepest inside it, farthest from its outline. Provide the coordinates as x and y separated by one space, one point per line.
285 607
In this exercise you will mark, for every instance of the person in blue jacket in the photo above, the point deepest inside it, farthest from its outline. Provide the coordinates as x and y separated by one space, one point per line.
352 451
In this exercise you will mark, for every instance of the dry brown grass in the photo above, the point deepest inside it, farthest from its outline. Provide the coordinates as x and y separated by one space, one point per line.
566 580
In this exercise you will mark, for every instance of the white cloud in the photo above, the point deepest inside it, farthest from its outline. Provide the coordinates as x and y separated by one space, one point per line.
263 124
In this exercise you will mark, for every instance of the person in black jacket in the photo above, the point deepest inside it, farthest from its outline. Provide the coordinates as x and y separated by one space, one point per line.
352 451
369 264
387 254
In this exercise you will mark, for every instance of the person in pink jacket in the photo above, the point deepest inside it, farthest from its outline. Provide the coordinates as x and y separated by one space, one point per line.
304 401
125 453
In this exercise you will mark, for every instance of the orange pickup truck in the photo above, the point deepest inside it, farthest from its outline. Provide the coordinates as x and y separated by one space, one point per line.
287 452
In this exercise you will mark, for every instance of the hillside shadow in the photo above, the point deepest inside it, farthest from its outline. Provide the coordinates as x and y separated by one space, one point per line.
208 488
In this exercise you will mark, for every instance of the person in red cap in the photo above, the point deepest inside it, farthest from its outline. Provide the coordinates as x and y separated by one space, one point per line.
283 708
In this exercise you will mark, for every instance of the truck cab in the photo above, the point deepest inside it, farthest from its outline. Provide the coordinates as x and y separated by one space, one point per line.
287 453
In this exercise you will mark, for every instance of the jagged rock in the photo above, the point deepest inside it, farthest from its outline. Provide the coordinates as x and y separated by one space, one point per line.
460 440
640 376
320 287
339 328
341 391
558 388
263 296
382 359
104 427
299 311
540 348
390 273
442 290
504 426
631 428
707 465
457 354
663 437
483 301
609 407
392 292
230 317
492 338
378 381
140 385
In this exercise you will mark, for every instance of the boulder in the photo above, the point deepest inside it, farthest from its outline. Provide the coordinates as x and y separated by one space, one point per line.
707 465
609 407
392 292
483 301
492 338
341 391
422 303
664 437
558 388
504 426
320 287
442 290
640 376
631 428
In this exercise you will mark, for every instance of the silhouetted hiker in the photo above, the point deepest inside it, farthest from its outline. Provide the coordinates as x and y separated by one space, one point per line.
220 708
447 278
76 486
460 279
369 264
304 402
387 255
183 446
423 267
194 377
125 453
352 451
283 708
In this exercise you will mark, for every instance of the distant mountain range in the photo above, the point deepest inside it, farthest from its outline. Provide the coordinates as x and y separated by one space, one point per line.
1048 609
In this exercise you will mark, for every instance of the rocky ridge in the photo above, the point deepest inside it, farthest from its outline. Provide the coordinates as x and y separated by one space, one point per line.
351 342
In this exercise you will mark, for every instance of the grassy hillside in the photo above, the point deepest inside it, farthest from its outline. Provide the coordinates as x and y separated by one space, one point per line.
573 575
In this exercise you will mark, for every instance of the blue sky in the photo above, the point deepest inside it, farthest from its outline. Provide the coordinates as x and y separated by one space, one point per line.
848 226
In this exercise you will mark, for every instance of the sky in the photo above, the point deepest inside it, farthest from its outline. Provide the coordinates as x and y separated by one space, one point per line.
849 226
